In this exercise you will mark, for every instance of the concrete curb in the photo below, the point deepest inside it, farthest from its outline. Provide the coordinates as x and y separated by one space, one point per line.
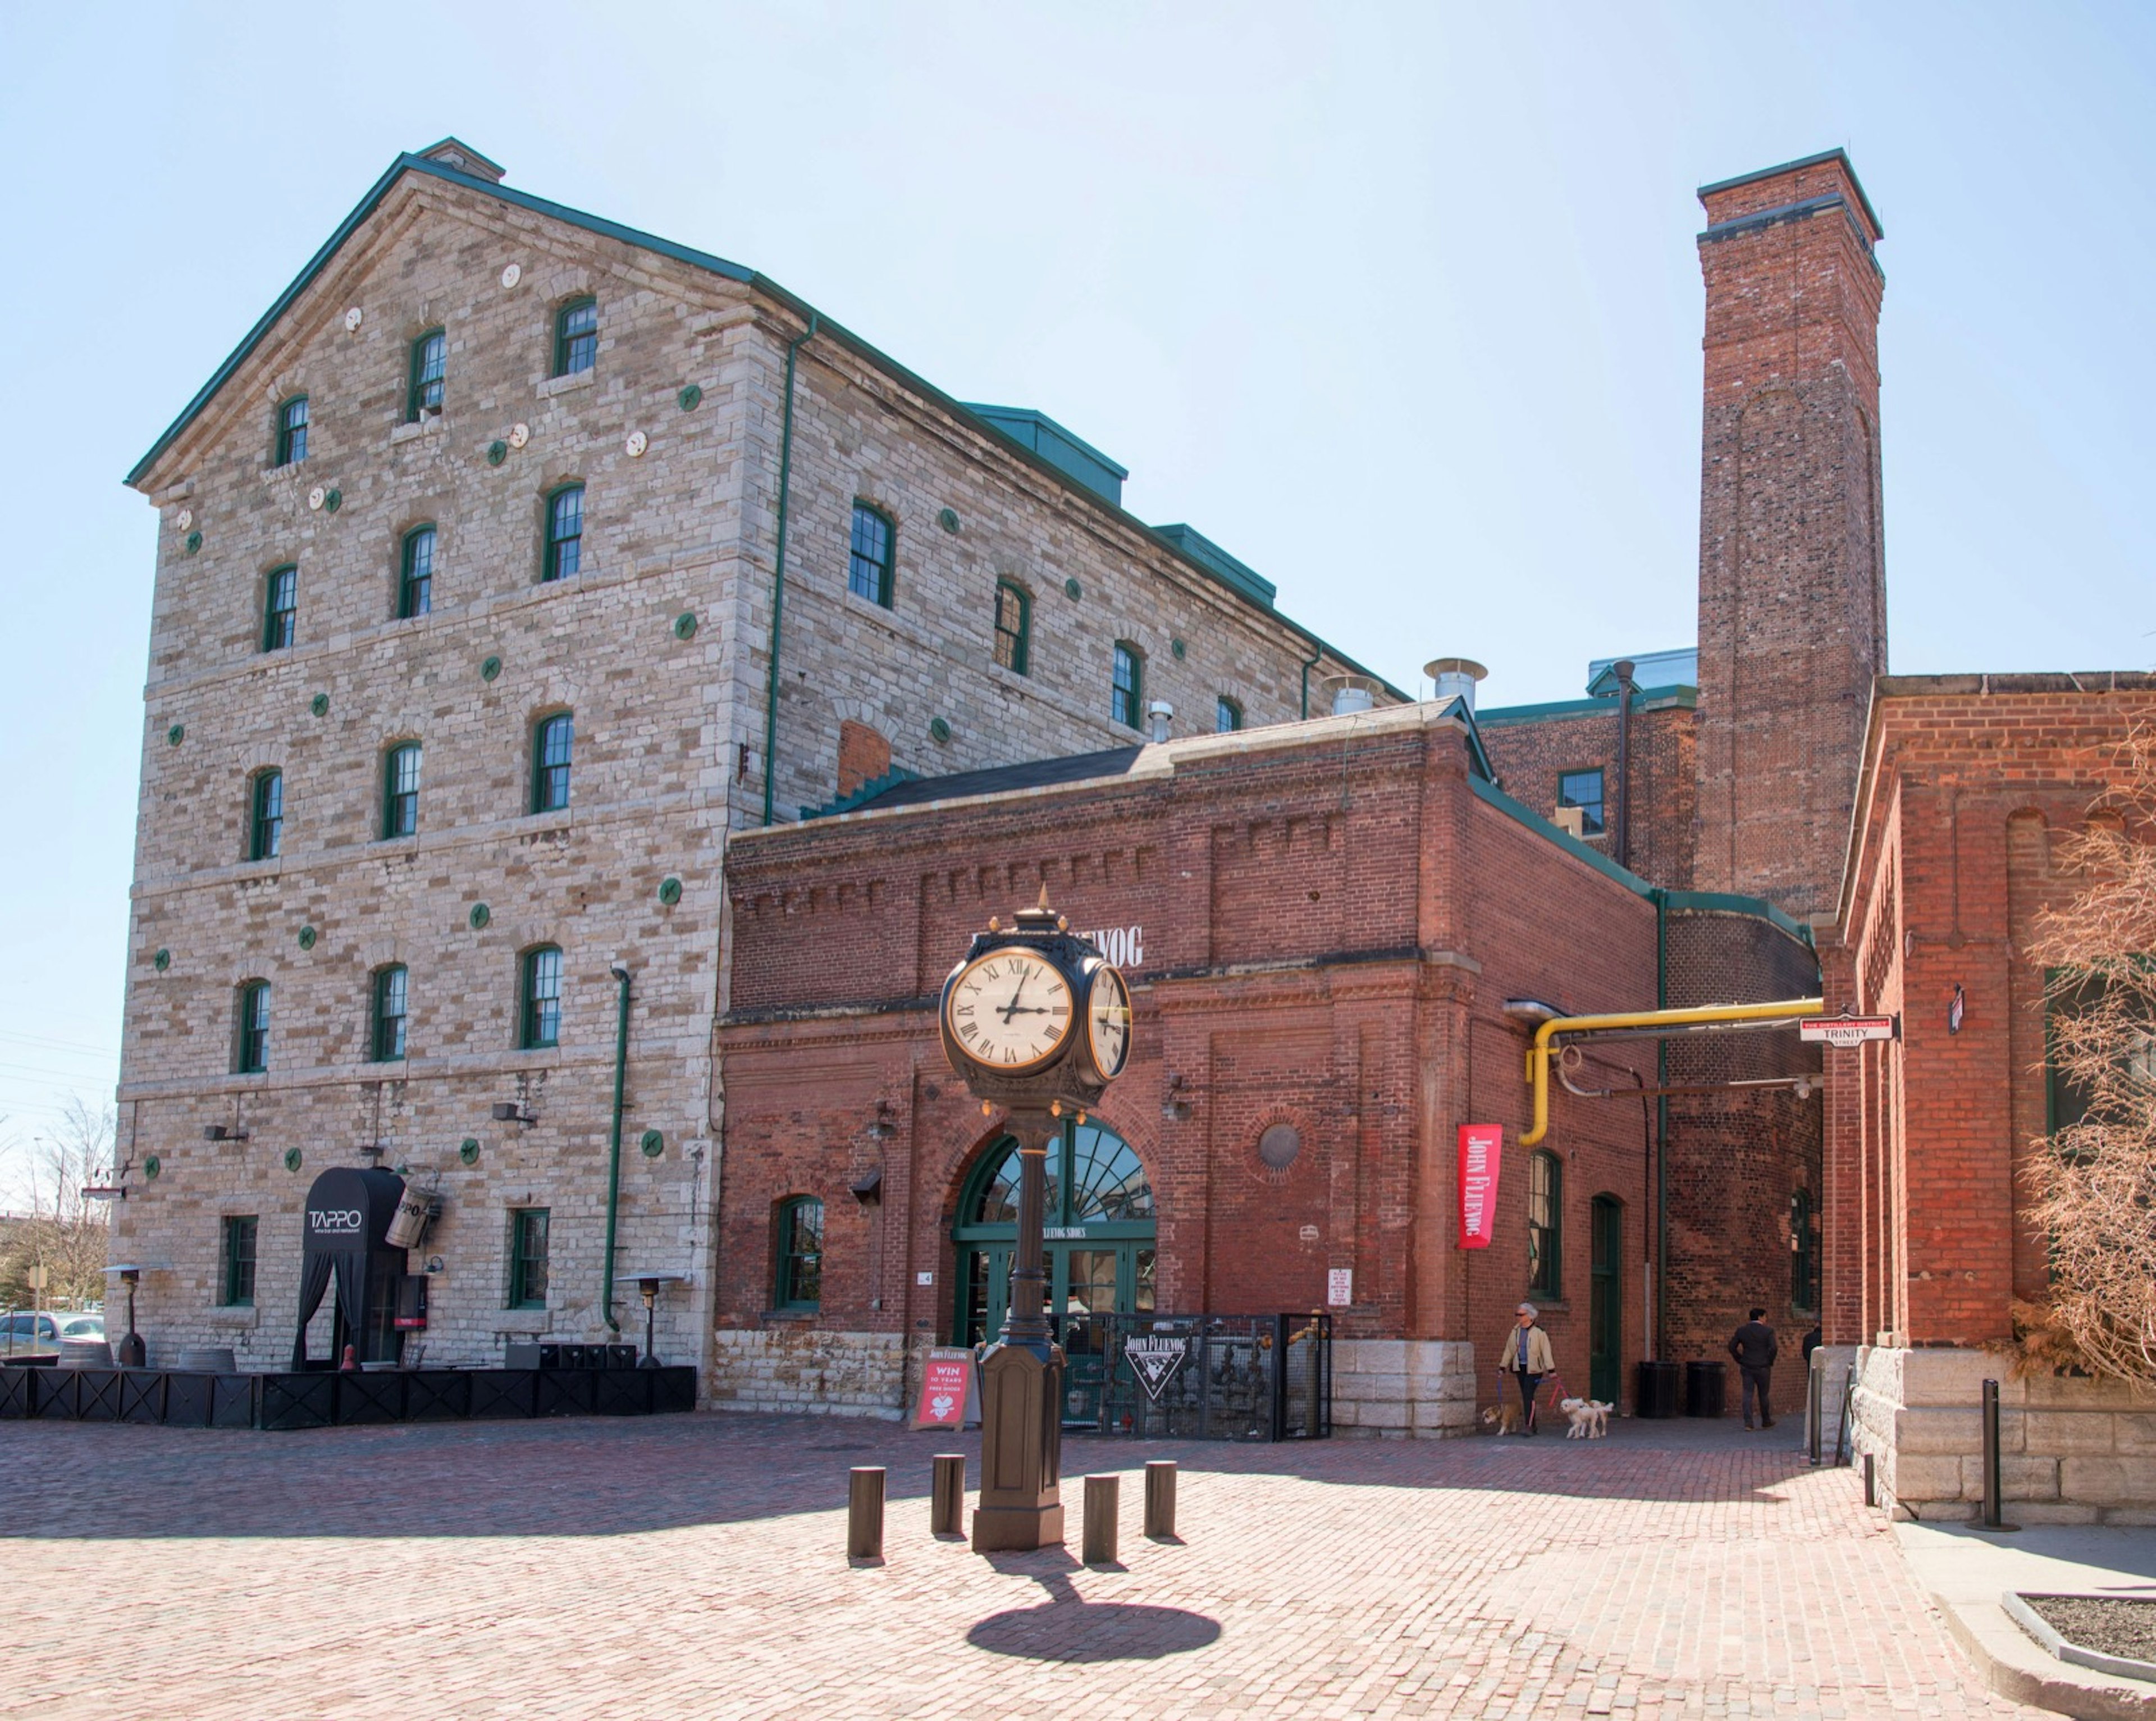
2116 1667
2015 1667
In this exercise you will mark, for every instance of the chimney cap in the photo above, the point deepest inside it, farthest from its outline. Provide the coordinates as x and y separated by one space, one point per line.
1837 156
1467 667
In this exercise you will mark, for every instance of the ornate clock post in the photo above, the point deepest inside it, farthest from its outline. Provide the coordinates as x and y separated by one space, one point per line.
1033 1017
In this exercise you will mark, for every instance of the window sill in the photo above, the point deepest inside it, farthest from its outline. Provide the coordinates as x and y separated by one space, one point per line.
290 469
792 1315
563 385
411 430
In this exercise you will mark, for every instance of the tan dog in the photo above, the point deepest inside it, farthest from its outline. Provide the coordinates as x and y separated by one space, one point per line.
1504 1415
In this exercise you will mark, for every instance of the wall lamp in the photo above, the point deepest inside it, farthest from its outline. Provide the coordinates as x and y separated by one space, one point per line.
1531 1010
224 1132
1172 1104
869 1190
883 1129
509 1111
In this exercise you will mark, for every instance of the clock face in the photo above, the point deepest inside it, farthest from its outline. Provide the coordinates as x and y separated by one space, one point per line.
1108 1021
1010 1010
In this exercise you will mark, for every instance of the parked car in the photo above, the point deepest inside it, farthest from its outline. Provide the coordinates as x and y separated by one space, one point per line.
81 1325
31 1334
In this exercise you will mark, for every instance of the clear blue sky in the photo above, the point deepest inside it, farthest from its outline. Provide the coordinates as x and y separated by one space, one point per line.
1399 305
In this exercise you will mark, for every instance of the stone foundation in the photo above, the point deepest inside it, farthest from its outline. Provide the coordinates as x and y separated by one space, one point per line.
1402 1389
2070 1450
782 1368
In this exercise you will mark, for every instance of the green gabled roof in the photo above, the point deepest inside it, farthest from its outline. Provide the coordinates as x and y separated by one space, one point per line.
411 163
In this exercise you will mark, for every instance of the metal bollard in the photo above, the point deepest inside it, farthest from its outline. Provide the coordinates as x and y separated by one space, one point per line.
1870 1483
1160 1499
1994 1516
947 1496
1101 1493
864 1513
1814 1405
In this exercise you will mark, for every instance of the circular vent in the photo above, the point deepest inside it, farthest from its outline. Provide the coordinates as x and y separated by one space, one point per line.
1278 1147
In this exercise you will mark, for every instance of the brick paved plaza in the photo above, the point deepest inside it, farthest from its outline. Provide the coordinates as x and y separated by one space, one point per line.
694 1566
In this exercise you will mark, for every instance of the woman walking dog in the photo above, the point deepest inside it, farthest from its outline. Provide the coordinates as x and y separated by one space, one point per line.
1526 1355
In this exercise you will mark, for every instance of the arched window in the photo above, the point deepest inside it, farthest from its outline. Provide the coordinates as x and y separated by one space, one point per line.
553 739
868 568
265 815
799 1282
251 1049
1227 715
1804 1252
291 440
565 534
424 399
1545 1225
385 1037
1013 625
1127 695
280 609
415 585
540 1011
575 337
400 790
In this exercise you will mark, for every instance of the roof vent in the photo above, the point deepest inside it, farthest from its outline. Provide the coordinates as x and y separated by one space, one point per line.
1454 678
1158 715
1351 694
463 158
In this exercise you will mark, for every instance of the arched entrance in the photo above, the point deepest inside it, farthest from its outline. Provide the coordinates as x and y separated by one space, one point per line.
1099 1225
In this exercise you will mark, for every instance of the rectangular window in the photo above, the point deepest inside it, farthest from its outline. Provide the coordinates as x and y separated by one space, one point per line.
1014 624
2070 1098
280 609
552 743
801 1254
428 354
252 1052
1227 715
565 533
577 338
400 791
542 998
266 836
868 568
238 1253
527 1257
292 431
391 990
1127 706
1582 789
1545 1225
415 588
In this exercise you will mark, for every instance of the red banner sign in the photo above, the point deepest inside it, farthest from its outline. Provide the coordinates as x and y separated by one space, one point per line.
1480 1147
946 1378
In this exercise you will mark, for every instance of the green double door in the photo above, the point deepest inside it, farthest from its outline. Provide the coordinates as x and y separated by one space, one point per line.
1605 1308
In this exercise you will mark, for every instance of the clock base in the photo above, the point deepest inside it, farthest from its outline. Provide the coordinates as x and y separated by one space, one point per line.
1021 1501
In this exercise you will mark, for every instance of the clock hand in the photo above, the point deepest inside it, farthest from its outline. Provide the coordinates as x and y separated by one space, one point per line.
1011 1009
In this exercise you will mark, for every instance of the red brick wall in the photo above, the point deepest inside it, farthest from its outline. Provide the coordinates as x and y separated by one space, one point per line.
1530 756
864 756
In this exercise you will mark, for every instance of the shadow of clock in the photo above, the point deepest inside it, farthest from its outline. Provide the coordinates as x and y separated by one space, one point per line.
1069 1628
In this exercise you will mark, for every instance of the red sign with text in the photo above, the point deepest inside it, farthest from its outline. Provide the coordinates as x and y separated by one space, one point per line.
946 1377
1480 1145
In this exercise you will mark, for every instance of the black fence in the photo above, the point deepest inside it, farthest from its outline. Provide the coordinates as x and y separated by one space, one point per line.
325 1399
1216 1377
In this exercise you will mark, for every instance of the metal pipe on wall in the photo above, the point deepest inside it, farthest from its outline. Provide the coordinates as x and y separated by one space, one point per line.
614 1152
779 568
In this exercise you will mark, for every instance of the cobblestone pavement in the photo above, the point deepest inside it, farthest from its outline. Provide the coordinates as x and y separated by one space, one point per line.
695 1566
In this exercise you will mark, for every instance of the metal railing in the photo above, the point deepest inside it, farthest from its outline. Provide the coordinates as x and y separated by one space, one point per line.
1213 1377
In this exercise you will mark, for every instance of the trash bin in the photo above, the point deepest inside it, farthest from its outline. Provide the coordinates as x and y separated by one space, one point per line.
1703 1388
1657 1393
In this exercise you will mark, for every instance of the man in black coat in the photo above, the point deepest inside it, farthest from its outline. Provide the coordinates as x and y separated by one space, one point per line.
1754 1346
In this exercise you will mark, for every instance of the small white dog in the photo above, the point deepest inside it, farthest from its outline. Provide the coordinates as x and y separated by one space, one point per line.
1589 1418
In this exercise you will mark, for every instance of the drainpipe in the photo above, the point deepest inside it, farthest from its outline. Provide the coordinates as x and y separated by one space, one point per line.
778 572
613 1150
1625 670
1307 669
1661 1128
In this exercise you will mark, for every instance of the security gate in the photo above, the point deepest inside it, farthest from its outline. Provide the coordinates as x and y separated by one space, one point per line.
1213 1377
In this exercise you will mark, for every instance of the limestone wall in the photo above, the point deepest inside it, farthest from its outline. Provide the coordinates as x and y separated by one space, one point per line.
1401 1389
790 1368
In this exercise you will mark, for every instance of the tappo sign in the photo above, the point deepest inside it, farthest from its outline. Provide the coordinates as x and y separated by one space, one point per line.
1480 1147
1847 1031
1154 1359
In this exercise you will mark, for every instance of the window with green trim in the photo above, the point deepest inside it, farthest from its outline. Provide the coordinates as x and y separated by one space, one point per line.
423 399
800 1278
391 999
237 1289
528 1257
540 1024
292 431
400 790
553 742
1013 625
1545 1225
2070 1099
265 815
280 609
565 533
1127 703
1227 715
251 1054
415 582
1582 789
868 565
1804 1252
575 337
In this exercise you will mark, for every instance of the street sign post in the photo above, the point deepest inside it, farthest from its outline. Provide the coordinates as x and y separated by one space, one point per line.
1847 1031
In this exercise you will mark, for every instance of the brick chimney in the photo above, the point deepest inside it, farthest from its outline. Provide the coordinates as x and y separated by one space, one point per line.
1792 574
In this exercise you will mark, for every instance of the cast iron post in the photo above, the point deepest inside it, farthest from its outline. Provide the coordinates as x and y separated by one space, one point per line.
1021 1502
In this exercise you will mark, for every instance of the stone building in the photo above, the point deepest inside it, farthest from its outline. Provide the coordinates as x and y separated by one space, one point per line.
511 563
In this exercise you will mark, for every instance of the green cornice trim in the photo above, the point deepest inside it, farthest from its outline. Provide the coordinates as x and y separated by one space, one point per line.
1644 699
1727 903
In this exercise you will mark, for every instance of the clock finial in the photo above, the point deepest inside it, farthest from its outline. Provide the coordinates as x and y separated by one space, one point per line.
1043 902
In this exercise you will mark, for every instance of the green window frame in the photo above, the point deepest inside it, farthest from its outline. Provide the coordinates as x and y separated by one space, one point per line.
1583 789
236 1251
400 790
1013 625
565 534
539 990
251 1053
872 555
265 815
393 997
1127 689
528 1227
553 750
1227 715
2068 1102
280 607
415 580
577 336
1545 1225
291 431
798 1283
429 370
1804 1252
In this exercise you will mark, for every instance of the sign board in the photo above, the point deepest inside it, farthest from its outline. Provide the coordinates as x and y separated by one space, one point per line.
947 1390
1847 1031
1154 1358
1122 945
1481 1147
1339 1287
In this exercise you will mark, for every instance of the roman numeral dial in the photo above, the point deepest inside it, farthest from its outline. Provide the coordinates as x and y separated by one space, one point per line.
1010 1010
1108 1021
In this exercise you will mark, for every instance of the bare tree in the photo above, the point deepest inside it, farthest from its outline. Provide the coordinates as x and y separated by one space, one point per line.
64 1232
2093 1179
